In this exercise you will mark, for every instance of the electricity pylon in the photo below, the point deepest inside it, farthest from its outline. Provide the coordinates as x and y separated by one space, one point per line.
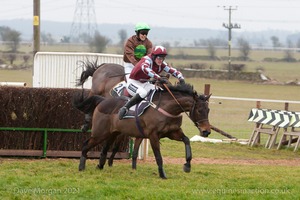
84 23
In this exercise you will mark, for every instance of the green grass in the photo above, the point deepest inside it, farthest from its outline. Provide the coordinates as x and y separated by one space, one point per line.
59 179
16 76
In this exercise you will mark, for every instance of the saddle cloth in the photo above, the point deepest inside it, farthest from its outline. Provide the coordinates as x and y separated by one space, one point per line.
139 109
120 90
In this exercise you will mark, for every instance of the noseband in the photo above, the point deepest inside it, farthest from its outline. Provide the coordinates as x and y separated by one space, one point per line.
197 123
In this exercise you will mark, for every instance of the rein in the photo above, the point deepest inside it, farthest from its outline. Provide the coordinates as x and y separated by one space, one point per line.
195 123
153 105
176 100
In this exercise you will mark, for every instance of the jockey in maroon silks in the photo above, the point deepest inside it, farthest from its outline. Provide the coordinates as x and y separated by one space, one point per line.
149 66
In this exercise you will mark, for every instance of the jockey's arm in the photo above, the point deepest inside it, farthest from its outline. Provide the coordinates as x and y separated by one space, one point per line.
174 72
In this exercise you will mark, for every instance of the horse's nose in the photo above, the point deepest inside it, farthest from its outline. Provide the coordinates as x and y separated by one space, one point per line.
204 129
205 133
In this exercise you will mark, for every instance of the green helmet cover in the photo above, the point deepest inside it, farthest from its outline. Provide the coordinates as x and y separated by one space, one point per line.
140 51
142 26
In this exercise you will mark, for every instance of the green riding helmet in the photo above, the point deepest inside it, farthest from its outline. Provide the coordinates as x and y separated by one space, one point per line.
141 26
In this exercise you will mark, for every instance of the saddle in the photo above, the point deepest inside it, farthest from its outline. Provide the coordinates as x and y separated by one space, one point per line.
136 110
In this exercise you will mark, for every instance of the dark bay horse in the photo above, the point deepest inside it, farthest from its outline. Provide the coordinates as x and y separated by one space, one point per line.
164 121
104 78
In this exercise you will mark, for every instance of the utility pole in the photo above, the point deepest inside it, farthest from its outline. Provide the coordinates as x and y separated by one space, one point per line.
36 26
230 26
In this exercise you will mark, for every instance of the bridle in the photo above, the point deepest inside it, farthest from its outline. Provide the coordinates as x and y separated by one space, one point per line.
197 123
191 111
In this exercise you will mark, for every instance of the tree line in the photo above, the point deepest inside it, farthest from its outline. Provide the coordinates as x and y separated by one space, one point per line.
98 43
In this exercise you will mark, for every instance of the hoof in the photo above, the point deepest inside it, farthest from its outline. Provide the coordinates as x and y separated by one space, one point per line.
110 164
186 168
81 168
99 167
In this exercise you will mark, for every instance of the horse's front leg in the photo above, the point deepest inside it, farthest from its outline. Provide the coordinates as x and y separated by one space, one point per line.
137 143
188 154
154 141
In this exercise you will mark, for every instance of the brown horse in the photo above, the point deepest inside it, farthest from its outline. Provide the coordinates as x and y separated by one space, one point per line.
163 121
104 78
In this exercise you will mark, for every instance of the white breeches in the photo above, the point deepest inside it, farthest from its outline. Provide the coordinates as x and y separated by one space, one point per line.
136 87
128 68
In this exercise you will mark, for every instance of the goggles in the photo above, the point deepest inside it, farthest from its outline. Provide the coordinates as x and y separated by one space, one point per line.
144 32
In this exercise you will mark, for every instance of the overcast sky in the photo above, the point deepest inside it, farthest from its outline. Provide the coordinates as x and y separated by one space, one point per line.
252 15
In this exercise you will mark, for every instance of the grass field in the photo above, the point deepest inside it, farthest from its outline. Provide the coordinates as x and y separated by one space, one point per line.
59 179
219 171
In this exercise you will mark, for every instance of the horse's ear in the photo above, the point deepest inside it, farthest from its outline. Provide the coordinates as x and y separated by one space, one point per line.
207 96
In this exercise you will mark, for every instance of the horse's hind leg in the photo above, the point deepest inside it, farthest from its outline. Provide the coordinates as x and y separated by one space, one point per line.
87 120
103 154
137 144
87 145
115 149
113 154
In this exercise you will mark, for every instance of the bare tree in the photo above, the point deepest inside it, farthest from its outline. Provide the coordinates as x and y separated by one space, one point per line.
244 47
123 36
98 43
275 42
289 57
12 37
298 43
211 49
65 39
47 38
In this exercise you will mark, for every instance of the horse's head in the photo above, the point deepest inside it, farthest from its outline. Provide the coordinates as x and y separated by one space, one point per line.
199 114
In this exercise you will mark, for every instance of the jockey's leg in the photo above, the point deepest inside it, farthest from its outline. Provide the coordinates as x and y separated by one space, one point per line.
134 100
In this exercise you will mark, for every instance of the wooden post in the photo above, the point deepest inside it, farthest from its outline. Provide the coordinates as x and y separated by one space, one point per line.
286 107
207 89
258 105
207 92
36 26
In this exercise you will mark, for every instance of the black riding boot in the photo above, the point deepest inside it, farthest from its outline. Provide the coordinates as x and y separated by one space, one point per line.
134 100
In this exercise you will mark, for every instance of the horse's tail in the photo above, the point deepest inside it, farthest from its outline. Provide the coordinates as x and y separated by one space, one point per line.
90 68
86 105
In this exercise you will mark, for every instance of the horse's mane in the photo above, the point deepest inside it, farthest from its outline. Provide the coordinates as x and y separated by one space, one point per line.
183 88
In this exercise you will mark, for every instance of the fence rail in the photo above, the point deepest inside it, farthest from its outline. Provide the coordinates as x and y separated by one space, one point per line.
53 153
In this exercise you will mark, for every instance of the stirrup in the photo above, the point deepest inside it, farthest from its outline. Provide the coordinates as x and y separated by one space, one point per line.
122 112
